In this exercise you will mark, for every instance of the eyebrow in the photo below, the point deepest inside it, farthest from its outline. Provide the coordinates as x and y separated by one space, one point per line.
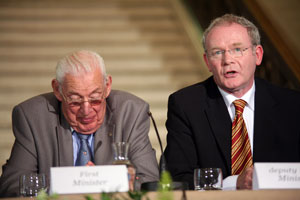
97 90
237 44
234 45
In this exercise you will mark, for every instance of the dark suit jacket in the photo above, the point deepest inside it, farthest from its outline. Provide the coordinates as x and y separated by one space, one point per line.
44 139
199 128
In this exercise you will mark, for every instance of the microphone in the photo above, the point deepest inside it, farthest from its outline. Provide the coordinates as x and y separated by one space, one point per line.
162 163
153 186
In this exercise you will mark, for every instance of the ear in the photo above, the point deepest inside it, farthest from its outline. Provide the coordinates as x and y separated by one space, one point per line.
259 51
206 61
108 85
55 87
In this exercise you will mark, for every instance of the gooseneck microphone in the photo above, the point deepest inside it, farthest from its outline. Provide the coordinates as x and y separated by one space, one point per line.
162 163
153 186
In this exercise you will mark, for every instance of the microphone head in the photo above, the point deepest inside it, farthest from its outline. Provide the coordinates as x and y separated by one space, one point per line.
162 164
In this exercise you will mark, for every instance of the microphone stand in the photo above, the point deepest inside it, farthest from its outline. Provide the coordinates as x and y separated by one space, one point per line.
163 167
162 163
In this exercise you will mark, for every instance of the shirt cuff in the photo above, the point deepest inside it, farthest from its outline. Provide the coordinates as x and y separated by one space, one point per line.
229 183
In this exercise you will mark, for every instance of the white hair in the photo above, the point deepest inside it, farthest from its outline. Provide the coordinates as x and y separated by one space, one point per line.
77 62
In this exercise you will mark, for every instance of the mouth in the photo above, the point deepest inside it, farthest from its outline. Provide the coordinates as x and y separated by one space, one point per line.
230 74
87 120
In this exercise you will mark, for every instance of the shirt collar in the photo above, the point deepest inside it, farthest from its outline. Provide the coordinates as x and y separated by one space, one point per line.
74 133
248 97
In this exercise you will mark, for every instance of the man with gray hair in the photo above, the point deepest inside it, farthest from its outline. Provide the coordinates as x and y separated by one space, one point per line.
232 119
48 128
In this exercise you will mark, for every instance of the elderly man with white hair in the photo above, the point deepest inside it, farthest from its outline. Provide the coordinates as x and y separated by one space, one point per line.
48 127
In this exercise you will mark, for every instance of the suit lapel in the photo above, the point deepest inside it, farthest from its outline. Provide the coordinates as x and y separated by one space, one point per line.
220 122
103 139
65 143
63 136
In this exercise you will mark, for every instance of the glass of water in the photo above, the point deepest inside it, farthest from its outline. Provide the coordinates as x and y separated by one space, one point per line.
120 150
31 184
208 179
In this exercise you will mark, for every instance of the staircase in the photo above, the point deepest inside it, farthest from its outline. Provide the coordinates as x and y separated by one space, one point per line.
144 43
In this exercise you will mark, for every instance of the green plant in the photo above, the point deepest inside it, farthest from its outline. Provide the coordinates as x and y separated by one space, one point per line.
164 192
120 196
165 186
42 195
165 183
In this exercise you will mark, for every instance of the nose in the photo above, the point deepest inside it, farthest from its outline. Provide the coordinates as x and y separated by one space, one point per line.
227 58
85 107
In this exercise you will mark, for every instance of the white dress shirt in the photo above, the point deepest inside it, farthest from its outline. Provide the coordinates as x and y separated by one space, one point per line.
229 183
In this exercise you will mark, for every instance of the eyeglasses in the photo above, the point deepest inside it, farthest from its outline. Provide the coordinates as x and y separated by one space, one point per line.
235 52
76 103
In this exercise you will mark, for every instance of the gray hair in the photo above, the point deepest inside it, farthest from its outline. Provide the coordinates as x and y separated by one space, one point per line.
77 62
229 19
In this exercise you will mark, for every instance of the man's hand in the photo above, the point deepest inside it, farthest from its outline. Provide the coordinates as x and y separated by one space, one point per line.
90 163
131 172
244 180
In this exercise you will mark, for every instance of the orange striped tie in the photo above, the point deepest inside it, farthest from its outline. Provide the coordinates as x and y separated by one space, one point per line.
241 156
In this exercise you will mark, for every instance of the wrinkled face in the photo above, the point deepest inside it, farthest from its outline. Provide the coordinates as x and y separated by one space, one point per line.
234 74
83 100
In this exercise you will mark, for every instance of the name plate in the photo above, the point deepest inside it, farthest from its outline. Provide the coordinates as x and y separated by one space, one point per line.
276 176
92 179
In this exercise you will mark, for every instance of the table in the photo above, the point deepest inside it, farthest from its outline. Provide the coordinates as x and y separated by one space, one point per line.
205 195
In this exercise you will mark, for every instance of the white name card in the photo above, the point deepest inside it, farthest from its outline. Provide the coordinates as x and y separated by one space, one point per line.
276 176
92 179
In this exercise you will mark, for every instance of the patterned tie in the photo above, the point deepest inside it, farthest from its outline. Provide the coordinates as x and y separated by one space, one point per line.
84 155
241 156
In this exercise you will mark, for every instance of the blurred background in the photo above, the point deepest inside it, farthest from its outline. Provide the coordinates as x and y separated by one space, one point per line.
150 47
